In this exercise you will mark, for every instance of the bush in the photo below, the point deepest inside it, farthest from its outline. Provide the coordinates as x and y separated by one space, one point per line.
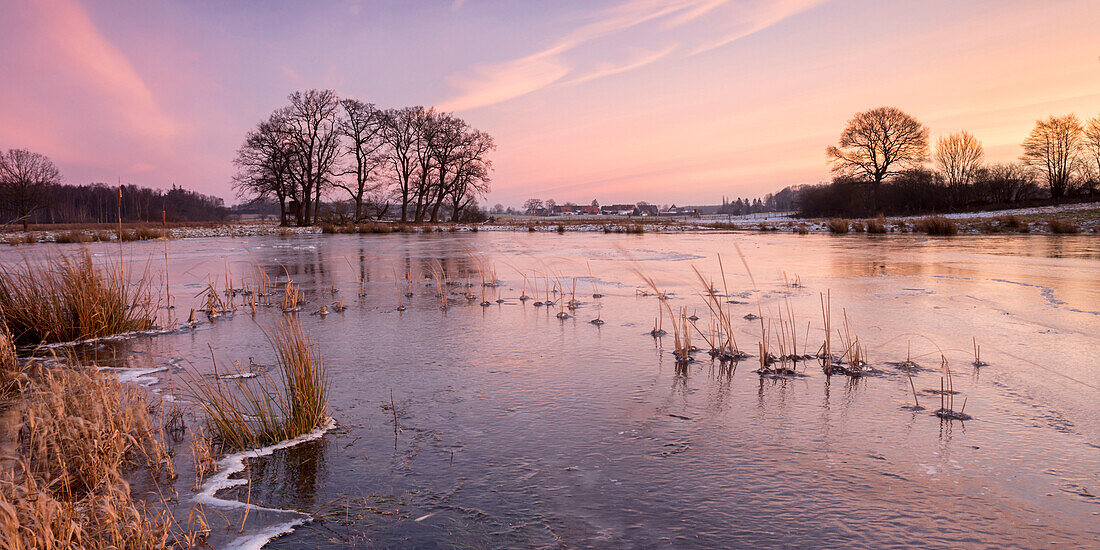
936 225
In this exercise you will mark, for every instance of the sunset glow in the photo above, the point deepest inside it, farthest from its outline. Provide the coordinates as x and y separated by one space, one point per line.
668 101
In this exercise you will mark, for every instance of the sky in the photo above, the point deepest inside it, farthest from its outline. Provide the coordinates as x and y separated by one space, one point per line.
667 101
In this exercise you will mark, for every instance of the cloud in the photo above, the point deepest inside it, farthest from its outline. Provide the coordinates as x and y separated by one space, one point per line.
567 56
768 14
607 69
79 47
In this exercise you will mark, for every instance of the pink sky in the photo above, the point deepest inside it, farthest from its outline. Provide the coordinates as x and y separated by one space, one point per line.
669 101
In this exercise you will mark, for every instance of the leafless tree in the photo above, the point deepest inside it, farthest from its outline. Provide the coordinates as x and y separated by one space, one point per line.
310 126
361 128
1053 148
24 177
877 144
399 133
532 204
471 172
959 156
263 165
426 131
1092 153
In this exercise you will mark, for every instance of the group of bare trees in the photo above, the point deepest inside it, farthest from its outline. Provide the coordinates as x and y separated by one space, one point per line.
884 151
426 164
24 178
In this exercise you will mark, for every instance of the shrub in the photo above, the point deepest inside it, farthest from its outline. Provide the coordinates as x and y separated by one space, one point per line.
1013 223
936 225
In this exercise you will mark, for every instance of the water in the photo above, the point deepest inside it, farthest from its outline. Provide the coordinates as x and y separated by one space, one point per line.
519 429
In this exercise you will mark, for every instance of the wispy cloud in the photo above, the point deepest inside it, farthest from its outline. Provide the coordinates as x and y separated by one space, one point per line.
719 22
82 49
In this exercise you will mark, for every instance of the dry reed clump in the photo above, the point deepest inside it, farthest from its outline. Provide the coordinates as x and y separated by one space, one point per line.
857 226
374 227
838 225
142 234
1012 223
876 226
1061 227
261 411
801 229
9 365
73 237
26 238
69 298
78 431
936 225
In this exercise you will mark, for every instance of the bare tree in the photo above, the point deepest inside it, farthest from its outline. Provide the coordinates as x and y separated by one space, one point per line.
1053 148
263 165
361 128
877 144
1092 153
471 172
24 177
309 123
426 130
399 133
959 156
532 204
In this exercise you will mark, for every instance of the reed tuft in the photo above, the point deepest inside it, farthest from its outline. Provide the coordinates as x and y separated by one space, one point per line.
70 298
265 410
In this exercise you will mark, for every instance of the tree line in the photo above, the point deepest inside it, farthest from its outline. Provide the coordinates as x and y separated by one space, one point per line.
31 192
881 167
414 163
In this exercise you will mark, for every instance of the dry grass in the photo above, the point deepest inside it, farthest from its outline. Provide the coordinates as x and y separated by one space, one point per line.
9 366
1012 223
78 432
263 410
838 226
876 226
69 298
936 225
141 234
1061 227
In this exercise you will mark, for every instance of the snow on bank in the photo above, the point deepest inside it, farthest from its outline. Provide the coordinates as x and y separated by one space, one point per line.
234 464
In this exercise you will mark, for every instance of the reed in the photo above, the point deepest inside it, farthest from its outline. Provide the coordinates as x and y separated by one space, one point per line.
838 226
876 226
947 396
78 432
9 366
1061 227
69 298
265 409
1012 223
936 225
978 354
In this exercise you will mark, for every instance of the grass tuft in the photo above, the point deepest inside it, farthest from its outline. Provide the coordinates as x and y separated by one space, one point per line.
936 225
69 298
1061 227
263 410
838 226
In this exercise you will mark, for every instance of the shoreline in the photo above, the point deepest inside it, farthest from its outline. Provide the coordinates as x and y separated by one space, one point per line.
1082 218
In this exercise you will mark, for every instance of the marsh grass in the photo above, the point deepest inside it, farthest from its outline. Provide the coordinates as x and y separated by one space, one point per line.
936 225
838 226
263 410
69 298
876 226
78 433
1061 227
